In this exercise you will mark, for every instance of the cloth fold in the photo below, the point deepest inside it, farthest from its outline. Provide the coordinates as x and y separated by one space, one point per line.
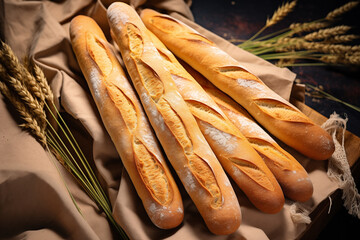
32 192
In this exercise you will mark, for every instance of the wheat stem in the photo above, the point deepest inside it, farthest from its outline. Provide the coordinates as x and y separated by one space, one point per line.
81 155
94 190
67 151
282 55
274 34
331 97
51 156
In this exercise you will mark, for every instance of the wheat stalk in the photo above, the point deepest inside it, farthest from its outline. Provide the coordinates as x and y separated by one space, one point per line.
18 71
12 63
31 124
327 48
285 62
352 58
306 41
280 13
28 93
355 49
333 15
345 59
327 32
289 44
23 83
343 38
333 59
40 80
35 108
321 93
307 27
32 82
43 88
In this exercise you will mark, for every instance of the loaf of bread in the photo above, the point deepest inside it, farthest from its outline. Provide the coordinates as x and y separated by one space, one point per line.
274 113
126 123
176 128
237 156
291 175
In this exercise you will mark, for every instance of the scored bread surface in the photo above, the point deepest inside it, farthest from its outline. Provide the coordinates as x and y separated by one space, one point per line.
274 113
126 124
154 86
292 177
230 146
177 130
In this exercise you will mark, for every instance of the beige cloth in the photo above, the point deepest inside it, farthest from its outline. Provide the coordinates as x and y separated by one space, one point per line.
34 203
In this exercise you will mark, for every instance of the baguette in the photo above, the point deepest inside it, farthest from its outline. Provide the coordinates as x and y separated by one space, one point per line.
177 130
292 177
234 152
274 113
126 123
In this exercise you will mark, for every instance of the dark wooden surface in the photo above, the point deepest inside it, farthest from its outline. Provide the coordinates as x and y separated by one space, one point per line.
240 19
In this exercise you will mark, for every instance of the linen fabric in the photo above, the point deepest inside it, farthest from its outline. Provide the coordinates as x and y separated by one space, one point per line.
34 202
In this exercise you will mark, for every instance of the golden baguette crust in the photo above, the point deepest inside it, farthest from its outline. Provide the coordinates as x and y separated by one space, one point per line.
274 113
126 124
182 141
235 153
291 175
